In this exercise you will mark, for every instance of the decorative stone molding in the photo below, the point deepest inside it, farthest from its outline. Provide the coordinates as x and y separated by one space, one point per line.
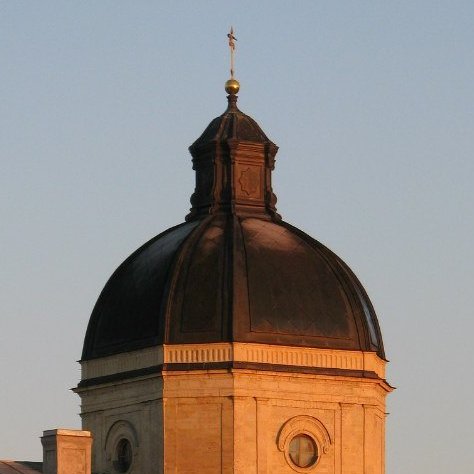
279 355
121 430
298 356
191 353
237 352
122 362
304 425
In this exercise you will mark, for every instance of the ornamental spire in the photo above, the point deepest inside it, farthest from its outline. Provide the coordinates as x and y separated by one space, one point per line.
232 86
232 40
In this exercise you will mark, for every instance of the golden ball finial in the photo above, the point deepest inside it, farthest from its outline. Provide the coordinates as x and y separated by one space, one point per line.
232 86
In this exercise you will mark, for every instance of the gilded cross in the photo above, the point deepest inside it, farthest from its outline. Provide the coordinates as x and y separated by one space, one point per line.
232 40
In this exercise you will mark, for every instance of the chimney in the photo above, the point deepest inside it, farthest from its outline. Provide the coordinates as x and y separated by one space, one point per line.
66 451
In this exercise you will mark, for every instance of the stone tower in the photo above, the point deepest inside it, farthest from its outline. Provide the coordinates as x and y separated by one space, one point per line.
234 342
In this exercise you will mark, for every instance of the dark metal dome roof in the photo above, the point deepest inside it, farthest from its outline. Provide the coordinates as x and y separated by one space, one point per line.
225 278
234 271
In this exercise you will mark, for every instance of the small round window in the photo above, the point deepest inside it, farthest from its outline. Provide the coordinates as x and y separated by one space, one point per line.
303 451
123 456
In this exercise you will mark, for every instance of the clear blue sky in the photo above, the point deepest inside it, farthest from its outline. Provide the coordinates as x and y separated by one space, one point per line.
371 104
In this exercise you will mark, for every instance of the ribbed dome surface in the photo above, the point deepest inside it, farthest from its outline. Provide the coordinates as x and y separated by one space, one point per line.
235 271
233 124
225 278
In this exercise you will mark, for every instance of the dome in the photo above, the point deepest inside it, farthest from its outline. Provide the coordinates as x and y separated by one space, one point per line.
234 125
225 278
234 271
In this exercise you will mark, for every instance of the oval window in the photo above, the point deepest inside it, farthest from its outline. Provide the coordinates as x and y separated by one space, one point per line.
123 456
303 450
